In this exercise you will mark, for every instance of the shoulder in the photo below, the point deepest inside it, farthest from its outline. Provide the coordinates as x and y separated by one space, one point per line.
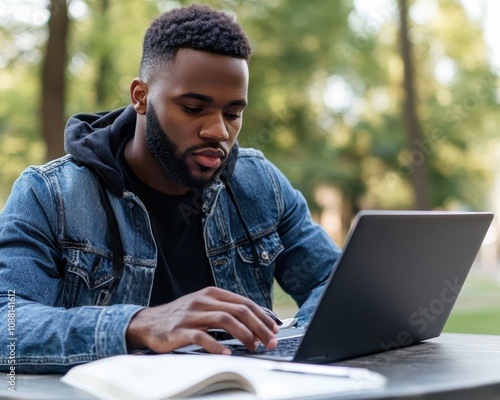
57 176
64 167
55 167
45 186
253 165
260 181
248 158
253 160
247 152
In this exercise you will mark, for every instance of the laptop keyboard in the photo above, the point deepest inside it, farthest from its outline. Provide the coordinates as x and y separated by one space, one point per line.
286 347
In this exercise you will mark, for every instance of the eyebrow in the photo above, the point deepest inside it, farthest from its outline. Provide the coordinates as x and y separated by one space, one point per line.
209 99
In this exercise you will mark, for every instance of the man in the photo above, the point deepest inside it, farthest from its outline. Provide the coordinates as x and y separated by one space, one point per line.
156 227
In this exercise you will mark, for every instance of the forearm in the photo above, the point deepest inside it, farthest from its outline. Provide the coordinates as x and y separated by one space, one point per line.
51 340
309 256
305 312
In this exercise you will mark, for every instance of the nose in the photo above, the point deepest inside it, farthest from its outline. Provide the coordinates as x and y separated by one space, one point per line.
214 129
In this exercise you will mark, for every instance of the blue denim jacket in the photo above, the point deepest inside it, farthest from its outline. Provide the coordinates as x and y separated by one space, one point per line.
56 261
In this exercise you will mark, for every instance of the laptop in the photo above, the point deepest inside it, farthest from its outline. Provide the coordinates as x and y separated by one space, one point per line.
394 285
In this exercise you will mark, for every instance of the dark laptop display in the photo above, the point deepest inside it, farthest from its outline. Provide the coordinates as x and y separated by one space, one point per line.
395 284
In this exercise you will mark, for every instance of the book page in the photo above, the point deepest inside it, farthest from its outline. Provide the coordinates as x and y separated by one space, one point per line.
156 377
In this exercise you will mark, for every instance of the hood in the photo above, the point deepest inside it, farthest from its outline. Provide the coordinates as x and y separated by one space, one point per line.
97 140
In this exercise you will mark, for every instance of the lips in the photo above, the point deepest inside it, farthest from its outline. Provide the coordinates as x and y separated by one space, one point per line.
209 158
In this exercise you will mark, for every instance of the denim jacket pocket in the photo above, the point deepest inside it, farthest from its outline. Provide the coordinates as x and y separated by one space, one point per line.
268 248
87 280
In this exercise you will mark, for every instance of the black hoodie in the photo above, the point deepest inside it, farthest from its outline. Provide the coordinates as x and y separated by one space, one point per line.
97 140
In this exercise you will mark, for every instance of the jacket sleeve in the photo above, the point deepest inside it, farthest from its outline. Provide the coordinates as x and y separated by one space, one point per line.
37 336
309 253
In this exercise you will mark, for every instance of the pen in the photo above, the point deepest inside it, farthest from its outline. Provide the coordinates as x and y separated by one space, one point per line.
359 377
327 370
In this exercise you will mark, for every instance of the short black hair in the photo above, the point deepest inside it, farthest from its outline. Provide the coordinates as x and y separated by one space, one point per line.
196 26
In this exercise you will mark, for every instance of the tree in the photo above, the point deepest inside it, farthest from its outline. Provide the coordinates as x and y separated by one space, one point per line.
105 58
54 80
300 47
418 175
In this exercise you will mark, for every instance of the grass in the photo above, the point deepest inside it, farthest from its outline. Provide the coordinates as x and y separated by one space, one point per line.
481 321
477 309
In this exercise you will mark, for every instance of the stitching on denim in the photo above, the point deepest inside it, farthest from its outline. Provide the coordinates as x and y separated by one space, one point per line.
106 254
233 244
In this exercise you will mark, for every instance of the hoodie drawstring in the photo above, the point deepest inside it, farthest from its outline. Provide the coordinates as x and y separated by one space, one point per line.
116 243
255 256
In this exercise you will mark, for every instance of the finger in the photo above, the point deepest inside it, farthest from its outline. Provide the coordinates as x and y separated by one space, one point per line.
242 323
196 323
207 342
231 324
230 297
197 337
253 320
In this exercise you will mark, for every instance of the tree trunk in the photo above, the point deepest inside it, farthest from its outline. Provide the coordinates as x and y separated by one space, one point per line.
419 149
53 80
105 61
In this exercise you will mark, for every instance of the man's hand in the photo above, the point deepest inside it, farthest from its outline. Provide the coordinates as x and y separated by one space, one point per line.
185 321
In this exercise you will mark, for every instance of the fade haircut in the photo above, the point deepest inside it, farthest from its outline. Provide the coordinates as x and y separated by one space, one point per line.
197 27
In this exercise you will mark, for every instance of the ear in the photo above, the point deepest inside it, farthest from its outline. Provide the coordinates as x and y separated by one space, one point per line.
138 95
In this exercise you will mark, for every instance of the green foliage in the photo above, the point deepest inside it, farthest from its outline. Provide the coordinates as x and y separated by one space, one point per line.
105 51
20 144
299 48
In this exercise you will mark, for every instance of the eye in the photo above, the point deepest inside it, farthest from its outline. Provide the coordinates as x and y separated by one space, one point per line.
232 117
192 110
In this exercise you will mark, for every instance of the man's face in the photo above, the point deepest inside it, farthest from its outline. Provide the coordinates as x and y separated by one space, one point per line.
194 115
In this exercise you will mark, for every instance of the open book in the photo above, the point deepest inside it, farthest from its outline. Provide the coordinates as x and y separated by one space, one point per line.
157 377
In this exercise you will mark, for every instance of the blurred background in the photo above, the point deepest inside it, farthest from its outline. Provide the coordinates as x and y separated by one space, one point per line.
364 104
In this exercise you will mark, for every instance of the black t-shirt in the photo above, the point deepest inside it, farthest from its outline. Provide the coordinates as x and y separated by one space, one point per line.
183 265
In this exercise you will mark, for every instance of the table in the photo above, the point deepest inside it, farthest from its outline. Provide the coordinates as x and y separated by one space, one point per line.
452 366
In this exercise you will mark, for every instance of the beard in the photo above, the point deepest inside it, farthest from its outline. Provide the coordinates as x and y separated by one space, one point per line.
173 162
